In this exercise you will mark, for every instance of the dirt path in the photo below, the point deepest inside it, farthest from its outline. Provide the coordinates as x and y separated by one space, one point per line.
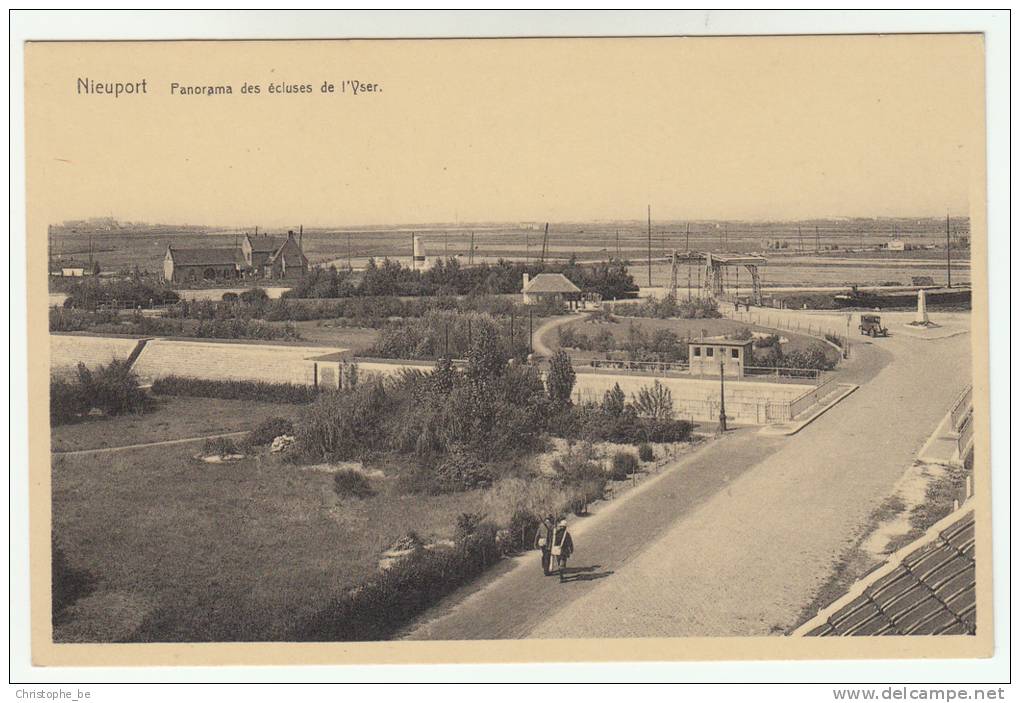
538 338
166 442
738 537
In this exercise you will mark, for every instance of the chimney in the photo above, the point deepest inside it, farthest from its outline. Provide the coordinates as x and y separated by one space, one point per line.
526 279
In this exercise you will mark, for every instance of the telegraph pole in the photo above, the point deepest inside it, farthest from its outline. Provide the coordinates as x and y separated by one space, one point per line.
817 247
949 256
649 246
617 244
349 266
687 243
722 396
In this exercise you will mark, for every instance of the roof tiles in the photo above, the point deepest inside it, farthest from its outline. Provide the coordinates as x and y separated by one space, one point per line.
930 592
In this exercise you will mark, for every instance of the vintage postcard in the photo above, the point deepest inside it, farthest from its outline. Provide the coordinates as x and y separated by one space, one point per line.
499 350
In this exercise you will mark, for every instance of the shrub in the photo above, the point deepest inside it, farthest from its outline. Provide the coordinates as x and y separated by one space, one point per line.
625 463
254 296
234 390
645 452
219 446
67 403
377 609
269 429
582 476
351 483
654 402
113 388
230 297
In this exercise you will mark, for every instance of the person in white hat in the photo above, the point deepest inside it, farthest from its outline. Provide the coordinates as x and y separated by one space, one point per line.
562 547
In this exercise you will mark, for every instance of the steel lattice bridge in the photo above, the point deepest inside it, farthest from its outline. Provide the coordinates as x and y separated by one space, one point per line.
712 272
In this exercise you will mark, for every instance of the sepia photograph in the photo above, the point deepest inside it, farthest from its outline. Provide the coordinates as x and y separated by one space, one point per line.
661 347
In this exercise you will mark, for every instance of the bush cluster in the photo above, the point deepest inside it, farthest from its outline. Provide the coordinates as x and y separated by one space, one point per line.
388 277
662 345
648 417
234 390
91 293
624 464
244 329
668 306
269 429
645 452
349 483
814 357
375 610
112 389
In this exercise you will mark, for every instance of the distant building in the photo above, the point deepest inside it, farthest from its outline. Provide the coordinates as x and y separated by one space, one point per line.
550 286
72 271
705 355
896 245
194 264
257 257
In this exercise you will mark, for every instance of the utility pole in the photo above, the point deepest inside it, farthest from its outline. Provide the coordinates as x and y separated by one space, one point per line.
349 266
800 240
949 257
617 244
722 395
531 332
649 246
817 247
527 245
301 237
471 254
687 242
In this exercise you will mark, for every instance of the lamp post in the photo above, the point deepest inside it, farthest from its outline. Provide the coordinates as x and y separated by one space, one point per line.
722 396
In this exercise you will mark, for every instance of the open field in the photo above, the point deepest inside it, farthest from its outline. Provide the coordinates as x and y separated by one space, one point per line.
173 418
587 240
168 543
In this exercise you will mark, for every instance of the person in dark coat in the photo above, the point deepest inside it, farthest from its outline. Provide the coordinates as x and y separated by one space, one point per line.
543 541
562 547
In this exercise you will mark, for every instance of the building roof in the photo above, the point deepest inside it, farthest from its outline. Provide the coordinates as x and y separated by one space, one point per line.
264 245
550 283
278 252
723 341
207 256
925 589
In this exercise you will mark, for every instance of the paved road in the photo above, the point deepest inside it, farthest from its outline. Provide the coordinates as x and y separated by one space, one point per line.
738 538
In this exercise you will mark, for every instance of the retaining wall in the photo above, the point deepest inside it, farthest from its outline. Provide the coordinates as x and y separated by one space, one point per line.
66 350
272 363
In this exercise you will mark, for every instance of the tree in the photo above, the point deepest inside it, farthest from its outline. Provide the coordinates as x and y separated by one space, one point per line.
560 381
614 401
654 402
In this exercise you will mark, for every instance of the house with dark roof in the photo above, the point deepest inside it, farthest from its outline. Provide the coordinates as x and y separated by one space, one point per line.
257 257
550 287
926 588
193 264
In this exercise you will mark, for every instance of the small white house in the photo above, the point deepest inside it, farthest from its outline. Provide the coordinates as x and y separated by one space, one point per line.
707 354
896 245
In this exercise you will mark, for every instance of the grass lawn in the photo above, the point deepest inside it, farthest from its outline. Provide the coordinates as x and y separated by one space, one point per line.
710 327
180 550
173 418
357 339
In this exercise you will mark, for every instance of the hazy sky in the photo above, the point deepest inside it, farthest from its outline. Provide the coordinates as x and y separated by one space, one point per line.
533 130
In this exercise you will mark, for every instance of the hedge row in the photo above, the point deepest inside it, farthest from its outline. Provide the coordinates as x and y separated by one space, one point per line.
234 390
